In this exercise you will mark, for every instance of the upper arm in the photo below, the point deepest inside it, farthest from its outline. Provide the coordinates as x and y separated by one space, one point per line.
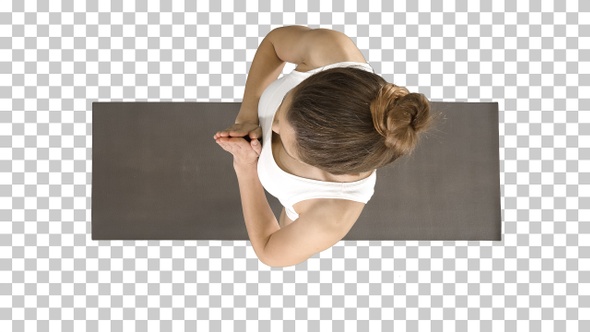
312 48
317 229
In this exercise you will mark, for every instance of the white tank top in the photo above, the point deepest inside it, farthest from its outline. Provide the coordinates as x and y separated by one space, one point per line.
290 189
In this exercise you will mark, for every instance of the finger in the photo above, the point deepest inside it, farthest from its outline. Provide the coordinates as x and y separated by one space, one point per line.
228 132
238 143
221 144
255 144
233 143
230 139
220 134
237 133
229 147
256 133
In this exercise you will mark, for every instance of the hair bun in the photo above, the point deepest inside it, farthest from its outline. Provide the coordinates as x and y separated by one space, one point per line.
399 116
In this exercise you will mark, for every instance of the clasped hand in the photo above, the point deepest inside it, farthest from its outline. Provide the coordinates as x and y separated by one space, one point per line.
232 140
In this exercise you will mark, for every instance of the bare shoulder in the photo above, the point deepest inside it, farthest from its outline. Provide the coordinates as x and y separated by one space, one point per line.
339 213
328 46
313 48
321 224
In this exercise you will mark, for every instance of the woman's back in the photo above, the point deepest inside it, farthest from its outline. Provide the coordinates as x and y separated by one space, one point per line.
286 177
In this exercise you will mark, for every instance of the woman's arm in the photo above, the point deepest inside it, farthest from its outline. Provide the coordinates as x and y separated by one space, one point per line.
258 216
318 228
320 225
272 53
266 67
308 48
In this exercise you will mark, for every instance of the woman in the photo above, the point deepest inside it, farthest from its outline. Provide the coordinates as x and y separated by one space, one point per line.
325 127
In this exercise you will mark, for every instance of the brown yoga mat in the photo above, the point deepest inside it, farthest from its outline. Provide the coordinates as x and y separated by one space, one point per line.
157 174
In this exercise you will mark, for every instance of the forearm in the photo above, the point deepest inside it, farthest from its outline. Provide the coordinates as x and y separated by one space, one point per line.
258 216
266 68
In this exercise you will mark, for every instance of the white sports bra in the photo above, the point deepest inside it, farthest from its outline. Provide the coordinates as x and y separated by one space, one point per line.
290 189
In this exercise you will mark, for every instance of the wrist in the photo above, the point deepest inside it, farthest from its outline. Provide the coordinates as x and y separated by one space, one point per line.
246 169
246 120
250 124
245 117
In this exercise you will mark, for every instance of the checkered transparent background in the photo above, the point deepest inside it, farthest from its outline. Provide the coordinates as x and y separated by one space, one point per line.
56 59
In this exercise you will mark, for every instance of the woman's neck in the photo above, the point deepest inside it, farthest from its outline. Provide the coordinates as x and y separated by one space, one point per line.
301 169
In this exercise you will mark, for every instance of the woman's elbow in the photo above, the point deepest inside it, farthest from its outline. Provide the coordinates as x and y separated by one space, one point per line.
273 263
280 261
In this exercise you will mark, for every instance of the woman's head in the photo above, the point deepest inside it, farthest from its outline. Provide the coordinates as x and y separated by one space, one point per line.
350 121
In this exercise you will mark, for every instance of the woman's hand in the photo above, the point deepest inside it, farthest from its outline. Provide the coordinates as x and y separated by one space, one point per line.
245 153
249 129
232 140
